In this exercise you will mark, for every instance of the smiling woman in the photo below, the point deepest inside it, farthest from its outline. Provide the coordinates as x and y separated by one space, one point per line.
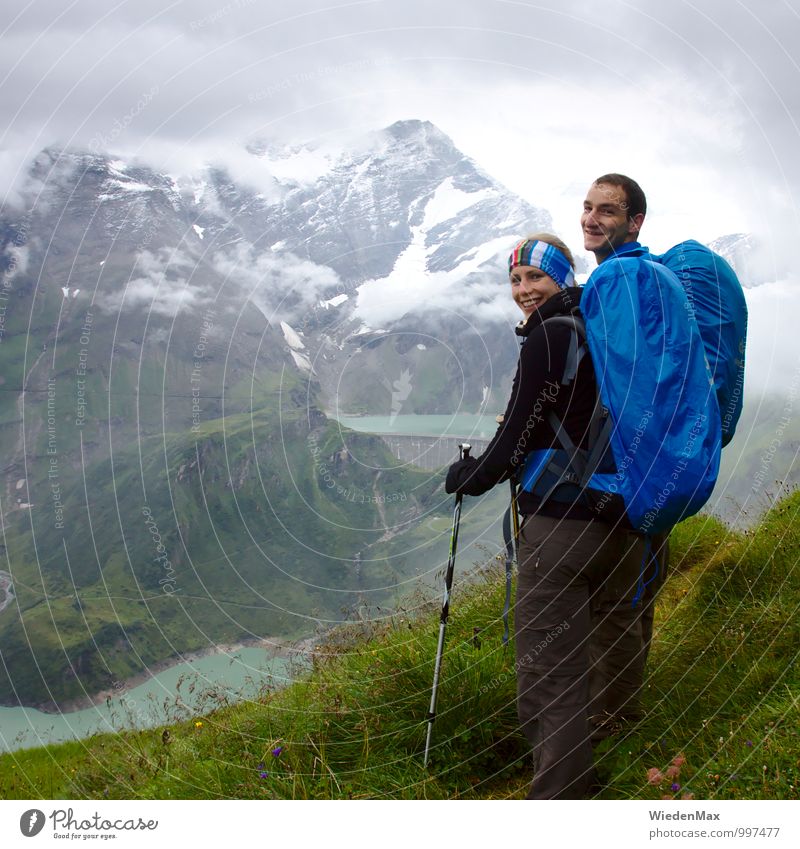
541 272
539 267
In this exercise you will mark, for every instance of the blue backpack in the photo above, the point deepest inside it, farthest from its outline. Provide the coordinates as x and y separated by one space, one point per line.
655 436
718 305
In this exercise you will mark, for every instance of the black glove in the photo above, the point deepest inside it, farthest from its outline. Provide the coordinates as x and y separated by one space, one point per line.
459 475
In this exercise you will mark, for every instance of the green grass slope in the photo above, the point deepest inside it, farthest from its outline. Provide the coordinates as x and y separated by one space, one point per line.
721 701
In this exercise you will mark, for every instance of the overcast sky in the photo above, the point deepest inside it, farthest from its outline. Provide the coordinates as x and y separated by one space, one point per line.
698 101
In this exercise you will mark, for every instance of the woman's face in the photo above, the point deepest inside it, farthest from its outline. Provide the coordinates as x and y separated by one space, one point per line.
531 287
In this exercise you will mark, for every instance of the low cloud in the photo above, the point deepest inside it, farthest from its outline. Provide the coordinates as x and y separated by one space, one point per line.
159 287
481 298
282 286
15 179
774 316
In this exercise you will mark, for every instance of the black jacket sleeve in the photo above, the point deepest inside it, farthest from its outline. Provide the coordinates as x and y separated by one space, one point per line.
535 390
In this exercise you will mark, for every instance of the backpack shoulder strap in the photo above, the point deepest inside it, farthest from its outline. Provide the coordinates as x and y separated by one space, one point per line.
578 347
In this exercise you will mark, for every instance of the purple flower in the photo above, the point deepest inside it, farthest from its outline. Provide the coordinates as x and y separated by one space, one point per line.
277 751
749 744
263 774
675 787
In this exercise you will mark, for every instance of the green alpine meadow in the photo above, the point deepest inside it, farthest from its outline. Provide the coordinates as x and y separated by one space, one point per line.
721 701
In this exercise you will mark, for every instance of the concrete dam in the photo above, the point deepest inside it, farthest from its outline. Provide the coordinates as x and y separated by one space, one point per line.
429 452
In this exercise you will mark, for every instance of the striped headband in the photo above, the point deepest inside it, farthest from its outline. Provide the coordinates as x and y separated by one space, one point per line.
549 258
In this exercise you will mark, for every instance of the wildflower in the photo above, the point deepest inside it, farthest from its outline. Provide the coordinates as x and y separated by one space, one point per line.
673 771
679 760
277 751
688 796
654 776
263 774
198 724
749 744
674 787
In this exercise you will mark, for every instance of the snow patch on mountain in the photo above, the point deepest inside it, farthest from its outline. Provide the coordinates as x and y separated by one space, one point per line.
291 337
448 201
198 191
412 286
302 361
133 186
334 302
743 254
474 258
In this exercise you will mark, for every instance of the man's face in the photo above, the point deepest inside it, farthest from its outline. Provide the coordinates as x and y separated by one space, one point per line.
605 221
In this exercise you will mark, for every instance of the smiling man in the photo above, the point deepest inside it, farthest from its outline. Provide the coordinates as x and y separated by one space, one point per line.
613 214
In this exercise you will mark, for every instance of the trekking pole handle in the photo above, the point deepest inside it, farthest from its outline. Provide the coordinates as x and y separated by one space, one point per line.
464 449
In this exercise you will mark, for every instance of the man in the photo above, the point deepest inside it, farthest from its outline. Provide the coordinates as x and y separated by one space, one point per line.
613 214
578 574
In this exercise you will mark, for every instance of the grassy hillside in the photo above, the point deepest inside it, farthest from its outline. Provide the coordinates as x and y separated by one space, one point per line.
722 697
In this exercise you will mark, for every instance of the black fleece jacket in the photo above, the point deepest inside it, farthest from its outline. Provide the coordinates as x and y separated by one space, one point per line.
536 389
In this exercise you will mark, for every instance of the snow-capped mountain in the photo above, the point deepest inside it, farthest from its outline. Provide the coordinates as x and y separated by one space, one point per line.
739 249
383 259
400 234
407 236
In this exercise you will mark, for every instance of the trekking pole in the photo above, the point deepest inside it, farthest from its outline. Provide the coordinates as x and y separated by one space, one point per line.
448 583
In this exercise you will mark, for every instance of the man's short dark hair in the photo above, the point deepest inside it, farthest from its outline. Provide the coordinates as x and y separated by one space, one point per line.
636 202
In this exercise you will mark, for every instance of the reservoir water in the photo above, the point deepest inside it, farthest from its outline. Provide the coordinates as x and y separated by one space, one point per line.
463 425
177 693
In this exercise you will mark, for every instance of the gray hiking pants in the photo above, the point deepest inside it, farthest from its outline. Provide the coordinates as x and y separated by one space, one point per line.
580 644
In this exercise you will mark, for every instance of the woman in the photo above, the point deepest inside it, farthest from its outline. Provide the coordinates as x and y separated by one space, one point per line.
574 569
